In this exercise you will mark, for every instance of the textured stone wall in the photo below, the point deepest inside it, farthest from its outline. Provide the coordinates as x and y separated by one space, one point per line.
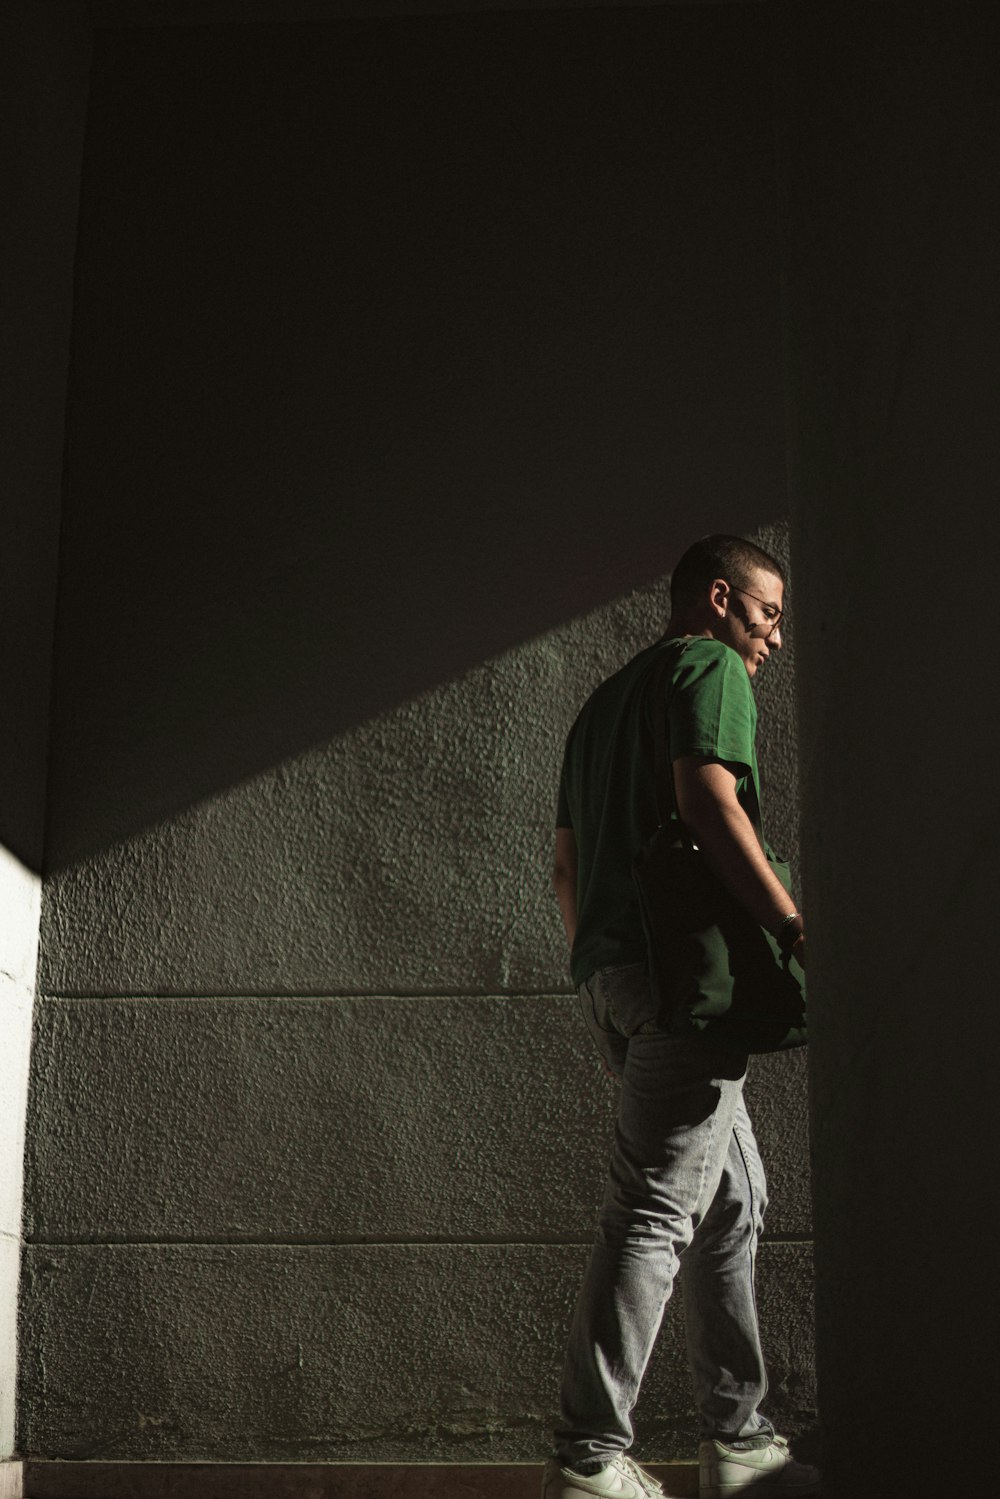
259 1206
316 1140
43 78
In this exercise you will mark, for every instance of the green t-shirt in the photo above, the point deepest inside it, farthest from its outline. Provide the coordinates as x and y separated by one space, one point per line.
607 791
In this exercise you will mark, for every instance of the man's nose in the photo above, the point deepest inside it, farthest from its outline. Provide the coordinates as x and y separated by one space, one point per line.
774 639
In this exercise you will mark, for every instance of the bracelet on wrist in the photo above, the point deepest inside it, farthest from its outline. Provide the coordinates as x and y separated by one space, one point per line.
788 932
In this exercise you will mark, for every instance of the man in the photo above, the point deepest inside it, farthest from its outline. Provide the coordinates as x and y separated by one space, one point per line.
685 1175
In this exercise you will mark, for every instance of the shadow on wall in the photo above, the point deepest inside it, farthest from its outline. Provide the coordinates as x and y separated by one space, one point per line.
396 342
409 854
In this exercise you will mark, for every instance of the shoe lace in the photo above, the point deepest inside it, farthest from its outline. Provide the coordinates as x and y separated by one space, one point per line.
647 1483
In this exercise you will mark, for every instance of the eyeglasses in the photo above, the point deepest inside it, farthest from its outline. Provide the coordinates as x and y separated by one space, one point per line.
772 615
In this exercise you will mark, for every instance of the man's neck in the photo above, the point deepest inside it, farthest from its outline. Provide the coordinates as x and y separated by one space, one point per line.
686 629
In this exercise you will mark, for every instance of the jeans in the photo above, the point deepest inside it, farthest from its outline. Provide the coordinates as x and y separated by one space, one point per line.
685 1178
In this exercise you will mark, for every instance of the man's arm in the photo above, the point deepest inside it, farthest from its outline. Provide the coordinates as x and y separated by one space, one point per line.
564 879
707 802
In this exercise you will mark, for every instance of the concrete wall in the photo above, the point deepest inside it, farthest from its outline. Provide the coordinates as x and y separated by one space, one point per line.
891 125
43 74
409 354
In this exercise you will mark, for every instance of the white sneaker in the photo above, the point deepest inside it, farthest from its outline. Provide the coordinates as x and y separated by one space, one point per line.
622 1479
724 1471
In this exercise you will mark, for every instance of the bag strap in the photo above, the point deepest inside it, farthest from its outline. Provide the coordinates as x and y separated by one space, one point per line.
662 767
666 795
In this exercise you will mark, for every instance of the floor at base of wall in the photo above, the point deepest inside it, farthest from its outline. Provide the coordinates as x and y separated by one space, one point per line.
68 1480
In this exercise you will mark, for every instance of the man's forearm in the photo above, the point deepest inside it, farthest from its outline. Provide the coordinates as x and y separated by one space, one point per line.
565 887
726 837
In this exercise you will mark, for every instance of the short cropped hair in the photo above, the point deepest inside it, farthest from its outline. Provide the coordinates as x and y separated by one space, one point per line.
729 557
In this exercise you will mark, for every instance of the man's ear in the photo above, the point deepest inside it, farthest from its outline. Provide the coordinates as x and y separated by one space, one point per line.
718 597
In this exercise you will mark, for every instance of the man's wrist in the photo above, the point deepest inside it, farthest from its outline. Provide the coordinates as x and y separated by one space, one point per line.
789 931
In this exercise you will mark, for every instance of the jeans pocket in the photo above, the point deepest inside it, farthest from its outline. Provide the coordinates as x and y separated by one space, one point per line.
627 998
609 1042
